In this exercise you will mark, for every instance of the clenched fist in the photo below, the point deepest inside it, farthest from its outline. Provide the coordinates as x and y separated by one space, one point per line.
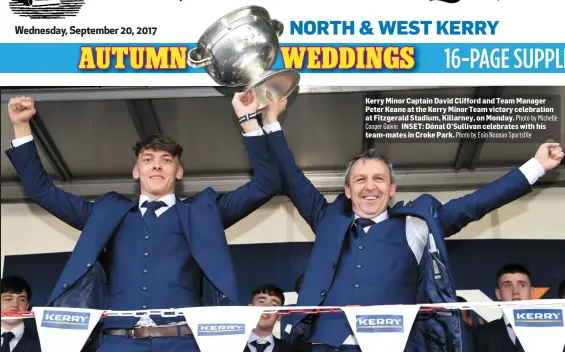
21 110
549 155
245 104
274 109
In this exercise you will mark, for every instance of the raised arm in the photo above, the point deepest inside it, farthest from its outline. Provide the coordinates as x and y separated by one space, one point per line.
37 184
457 213
309 202
265 182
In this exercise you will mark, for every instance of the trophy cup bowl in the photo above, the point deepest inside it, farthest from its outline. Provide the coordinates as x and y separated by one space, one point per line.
239 49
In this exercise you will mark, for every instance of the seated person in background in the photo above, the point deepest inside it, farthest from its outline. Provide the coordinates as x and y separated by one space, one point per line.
471 318
261 338
513 283
16 295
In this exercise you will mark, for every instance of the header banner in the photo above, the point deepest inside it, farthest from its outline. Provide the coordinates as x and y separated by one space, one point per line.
366 43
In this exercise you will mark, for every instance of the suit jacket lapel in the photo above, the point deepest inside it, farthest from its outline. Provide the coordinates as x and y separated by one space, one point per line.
23 346
205 234
504 339
116 212
345 222
26 343
183 210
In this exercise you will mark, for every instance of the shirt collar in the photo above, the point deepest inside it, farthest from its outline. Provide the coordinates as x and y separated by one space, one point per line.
254 337
169 199
506 322
382 217
18 331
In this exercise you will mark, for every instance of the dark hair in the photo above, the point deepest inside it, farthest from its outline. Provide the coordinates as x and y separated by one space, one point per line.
15 284
513 268
561 289
158 142
270 290
298 283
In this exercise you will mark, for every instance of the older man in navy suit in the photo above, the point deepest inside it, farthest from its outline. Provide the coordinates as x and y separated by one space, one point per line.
367 253
154 252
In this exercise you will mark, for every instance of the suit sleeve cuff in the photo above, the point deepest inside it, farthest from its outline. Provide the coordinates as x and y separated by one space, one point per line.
273 127
255 133
532 170
22 140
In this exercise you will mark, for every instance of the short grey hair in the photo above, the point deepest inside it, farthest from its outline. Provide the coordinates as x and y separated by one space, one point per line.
370 154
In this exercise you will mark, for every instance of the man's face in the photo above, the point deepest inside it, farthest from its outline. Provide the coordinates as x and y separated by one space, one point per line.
369 188
157 172
514 287
14 302
267 321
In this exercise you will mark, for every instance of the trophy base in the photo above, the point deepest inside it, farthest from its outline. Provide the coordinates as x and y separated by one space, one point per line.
279 83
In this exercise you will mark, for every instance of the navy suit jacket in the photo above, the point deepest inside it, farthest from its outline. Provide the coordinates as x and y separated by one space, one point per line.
203 217
330 221
29 342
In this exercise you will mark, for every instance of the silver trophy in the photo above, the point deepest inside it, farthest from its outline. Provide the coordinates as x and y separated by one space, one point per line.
239 49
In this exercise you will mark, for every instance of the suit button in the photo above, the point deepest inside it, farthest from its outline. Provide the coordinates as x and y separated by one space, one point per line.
145 271
146 237
323 293
146 254
144 288
144 306
358 266
88 265
65 286
356 285
334 264
360 247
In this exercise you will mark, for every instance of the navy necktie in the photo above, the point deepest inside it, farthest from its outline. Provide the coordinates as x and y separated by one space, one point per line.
149 217
260 347
359 224
7 336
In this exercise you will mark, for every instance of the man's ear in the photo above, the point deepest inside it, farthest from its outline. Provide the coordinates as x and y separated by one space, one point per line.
135 172
347 191
180 172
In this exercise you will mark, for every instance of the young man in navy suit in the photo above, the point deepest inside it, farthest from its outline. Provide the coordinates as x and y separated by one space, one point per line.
16 336
261 338
367 253
154 252
513 283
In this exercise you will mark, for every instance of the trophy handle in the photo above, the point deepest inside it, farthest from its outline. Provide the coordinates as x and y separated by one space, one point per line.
196 63
278 27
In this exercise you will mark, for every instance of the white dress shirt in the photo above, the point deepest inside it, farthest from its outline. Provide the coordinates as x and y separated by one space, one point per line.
510 330
254 337
18 332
